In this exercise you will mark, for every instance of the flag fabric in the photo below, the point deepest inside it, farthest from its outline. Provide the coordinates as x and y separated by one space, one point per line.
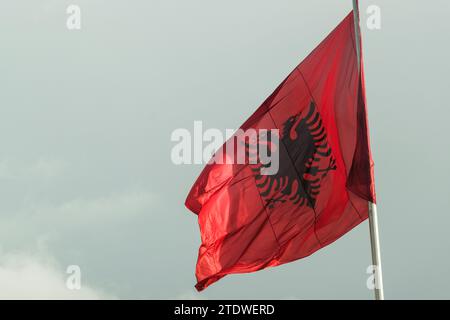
249 221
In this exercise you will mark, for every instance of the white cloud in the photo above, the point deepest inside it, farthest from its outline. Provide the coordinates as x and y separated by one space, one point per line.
24 276
33 215
88 211
41 168
48 222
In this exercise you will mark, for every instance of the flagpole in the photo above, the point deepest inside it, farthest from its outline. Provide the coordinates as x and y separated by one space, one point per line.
373 219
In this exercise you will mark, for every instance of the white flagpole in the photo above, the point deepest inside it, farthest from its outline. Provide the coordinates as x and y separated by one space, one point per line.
373 219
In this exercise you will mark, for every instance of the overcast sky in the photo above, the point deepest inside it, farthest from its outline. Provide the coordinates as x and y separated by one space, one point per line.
86 116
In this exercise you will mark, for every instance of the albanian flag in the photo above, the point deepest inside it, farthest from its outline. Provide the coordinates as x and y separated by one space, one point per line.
250 221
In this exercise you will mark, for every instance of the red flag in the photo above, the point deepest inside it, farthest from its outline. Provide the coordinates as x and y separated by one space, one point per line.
250 221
